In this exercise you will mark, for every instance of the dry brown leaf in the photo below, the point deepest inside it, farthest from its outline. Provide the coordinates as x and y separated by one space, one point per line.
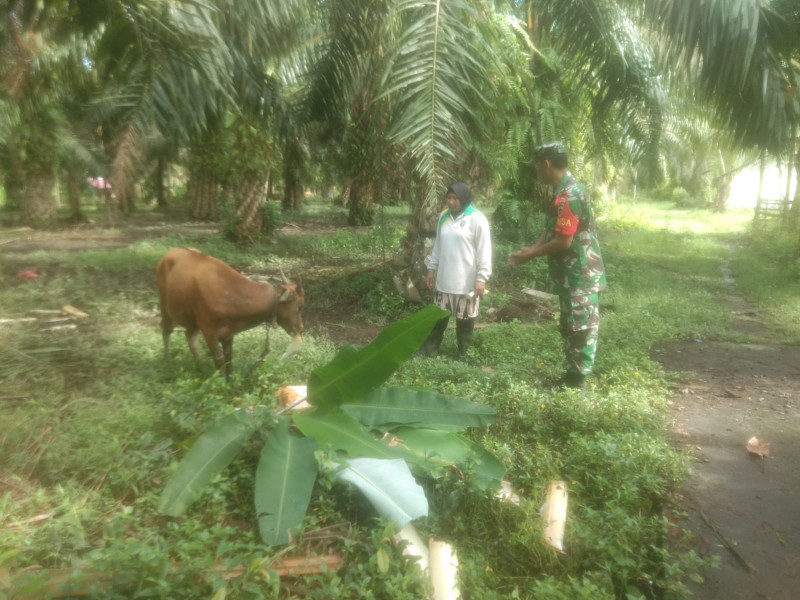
758 446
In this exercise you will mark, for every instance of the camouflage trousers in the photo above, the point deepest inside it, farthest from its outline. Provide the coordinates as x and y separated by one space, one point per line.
579 321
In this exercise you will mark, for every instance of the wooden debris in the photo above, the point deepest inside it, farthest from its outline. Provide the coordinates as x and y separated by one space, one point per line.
36 519
61 327
49 319
540 295
291 566
71 310
727 543
80 582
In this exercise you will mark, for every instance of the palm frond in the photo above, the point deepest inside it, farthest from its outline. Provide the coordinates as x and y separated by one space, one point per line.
433 80
746 52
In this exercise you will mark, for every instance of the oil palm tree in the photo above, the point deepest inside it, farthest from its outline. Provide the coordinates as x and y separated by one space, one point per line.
155 63
398 88
744 54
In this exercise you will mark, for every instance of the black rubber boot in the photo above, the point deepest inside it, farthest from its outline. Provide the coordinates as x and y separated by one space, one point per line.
571 379
430 347
464 329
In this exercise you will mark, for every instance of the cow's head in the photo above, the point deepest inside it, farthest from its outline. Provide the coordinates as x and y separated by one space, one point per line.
290 306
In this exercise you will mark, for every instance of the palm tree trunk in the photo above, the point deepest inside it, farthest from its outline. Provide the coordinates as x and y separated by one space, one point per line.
39 202
252 196
534 33
362 197
201 191
73 183
292 169
161 197
292 190
794 216
343 199
14 186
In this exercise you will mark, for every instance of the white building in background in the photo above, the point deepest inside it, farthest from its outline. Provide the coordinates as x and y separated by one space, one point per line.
744 189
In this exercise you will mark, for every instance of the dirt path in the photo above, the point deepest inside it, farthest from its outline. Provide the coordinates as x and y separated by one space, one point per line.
740 507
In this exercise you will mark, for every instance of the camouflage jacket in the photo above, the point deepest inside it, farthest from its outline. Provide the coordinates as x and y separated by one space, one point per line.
578 270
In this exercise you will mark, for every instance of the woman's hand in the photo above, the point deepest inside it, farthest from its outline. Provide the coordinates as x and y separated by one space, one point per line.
429 280
480 287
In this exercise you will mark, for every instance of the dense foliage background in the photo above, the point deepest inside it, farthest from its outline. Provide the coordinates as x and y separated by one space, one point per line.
382 102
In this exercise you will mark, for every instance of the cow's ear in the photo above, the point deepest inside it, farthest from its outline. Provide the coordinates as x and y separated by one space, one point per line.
299 286
286 295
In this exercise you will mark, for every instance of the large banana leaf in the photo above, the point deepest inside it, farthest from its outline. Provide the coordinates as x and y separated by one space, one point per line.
284 478
399 405
389 486
340 431
211 453
353 374
436 447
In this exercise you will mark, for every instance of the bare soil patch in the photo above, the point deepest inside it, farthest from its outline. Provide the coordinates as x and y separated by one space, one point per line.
94 236
741 507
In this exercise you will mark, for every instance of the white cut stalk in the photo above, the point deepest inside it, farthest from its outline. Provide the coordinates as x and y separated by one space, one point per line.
293 346
506 493
444 569
554 513
415 547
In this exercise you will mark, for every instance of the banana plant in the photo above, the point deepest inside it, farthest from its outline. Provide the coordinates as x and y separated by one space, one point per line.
375 438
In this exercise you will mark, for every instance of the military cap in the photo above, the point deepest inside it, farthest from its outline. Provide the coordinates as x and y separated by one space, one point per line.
549 150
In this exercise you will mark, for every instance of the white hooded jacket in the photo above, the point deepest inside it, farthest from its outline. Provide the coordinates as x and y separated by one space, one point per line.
462 252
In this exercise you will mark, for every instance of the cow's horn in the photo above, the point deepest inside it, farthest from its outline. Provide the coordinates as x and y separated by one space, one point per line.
283 276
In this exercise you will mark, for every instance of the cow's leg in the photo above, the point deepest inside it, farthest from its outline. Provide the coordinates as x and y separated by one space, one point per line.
167 325
212 341
266 343
191 339
227 352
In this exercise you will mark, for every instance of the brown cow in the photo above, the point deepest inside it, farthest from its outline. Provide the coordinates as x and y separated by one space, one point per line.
205 295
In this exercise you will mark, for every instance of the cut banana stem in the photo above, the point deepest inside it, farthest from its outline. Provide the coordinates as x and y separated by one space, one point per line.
444 571
415 547
554 513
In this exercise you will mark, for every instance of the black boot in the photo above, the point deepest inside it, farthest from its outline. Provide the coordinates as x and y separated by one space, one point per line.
430 347
572 379
464 329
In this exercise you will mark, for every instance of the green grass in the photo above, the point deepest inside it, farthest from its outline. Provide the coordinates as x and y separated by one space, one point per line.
666 215
767 268
94 420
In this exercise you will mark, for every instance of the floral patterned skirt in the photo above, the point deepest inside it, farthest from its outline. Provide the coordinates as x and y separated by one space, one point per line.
462 306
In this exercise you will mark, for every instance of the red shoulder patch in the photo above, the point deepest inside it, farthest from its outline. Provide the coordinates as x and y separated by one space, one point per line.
567 222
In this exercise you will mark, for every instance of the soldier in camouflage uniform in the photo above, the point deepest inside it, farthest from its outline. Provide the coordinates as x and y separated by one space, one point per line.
576 266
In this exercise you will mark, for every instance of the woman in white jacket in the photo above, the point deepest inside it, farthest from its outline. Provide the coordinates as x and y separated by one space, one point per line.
459 265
